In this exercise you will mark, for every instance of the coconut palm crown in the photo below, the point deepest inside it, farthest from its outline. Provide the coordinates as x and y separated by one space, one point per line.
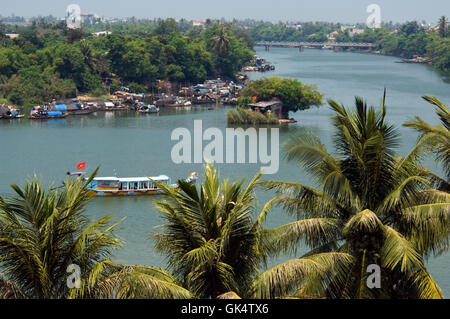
437 138
380 208
211 236
46 237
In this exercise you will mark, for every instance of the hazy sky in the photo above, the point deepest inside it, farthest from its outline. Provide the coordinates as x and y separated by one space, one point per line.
273 10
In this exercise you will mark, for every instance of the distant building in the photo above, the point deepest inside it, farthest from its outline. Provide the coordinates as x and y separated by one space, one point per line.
198 23
12 35
273 106
88 17
294 25
352 30
332 37
101 33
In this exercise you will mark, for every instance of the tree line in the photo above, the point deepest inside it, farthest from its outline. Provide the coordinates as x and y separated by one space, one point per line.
371 207
49 61
406 40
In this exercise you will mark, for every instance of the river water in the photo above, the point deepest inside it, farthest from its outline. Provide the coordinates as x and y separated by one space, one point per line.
129 144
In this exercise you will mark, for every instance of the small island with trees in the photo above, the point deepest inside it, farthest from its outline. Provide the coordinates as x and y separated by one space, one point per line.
279 95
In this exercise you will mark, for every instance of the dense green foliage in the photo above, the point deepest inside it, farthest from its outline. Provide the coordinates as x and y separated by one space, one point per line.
211 236
299 32
372 205
72 61
438 138
244 116
294 94
411 40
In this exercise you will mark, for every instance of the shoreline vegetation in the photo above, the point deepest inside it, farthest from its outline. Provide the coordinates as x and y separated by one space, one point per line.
49 61
373 207
281 96
245 116
413 41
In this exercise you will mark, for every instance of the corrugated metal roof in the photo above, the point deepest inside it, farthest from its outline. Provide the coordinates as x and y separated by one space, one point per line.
131 179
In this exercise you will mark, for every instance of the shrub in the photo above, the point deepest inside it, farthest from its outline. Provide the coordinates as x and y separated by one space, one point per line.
248 117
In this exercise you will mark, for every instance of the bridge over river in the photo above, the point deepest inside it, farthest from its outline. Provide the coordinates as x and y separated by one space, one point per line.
320 45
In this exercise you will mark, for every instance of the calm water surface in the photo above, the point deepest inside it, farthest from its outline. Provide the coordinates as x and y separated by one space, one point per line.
129 144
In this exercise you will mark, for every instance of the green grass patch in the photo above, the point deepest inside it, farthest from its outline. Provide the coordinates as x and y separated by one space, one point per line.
245 116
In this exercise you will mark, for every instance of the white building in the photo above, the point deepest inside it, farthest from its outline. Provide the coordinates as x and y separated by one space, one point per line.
352 30
101 33
198 23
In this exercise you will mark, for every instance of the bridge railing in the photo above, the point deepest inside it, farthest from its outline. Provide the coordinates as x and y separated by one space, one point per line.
315 44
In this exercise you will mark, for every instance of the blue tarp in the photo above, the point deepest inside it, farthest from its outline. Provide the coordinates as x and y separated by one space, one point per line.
54 113
61 107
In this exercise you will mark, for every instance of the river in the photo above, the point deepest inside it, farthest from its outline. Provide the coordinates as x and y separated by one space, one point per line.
130 144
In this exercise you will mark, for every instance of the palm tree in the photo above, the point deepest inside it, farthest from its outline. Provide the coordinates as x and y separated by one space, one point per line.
210 238
443 27
376 206
88 56
221 40
438 138
44 234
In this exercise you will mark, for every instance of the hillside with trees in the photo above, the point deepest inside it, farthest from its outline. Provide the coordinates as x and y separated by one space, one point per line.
47 60
405 40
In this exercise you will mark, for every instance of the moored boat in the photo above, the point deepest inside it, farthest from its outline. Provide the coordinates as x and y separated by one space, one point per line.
148 109
130 186
176 104
10 112
41 113
72 109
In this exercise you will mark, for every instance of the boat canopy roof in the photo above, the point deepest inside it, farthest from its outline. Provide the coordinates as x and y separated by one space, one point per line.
144 179
131 179
106 179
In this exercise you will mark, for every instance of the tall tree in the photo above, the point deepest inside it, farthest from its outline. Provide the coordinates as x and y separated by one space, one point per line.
45 235
376 206
221 40
88 56
443 27
212 241
438 138
294 94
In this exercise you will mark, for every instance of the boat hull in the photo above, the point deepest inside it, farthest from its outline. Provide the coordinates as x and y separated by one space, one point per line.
100 193
147 112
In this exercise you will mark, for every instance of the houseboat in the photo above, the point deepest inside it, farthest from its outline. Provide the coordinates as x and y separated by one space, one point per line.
131 186
148 109
74 108
177 103
9 112
42 113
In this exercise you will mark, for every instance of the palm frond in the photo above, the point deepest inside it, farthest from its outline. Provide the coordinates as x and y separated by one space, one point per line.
284 279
